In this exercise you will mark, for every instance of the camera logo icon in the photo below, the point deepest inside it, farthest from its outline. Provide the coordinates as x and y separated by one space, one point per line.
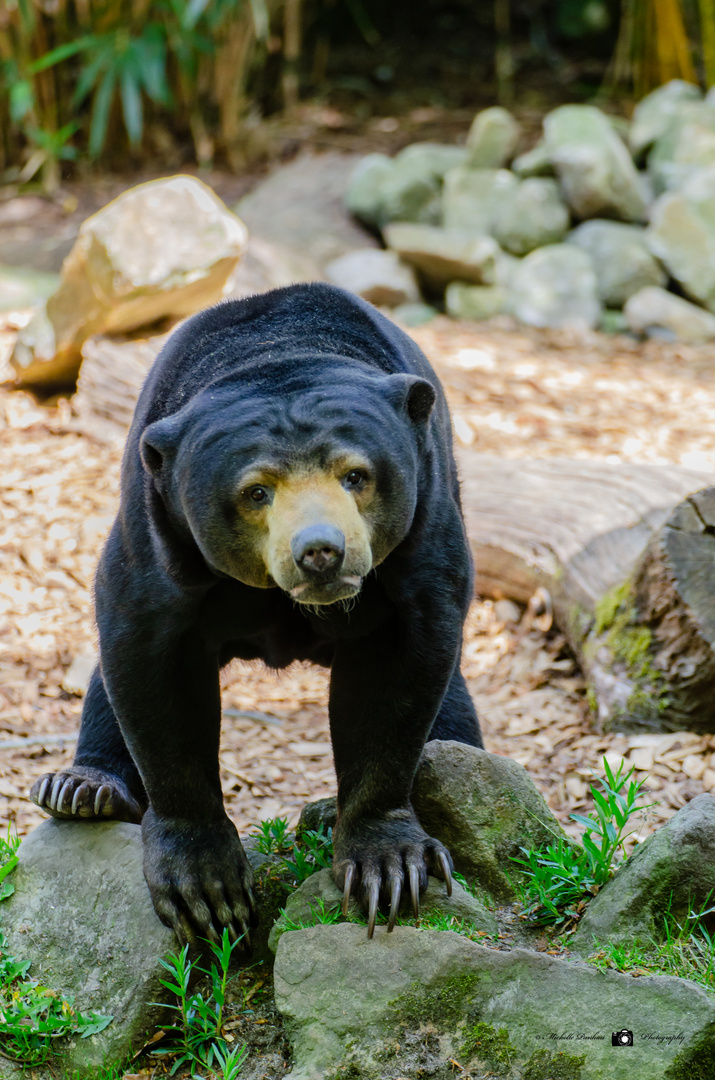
622 1038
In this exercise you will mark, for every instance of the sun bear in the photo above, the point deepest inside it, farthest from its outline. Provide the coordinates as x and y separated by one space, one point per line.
288 493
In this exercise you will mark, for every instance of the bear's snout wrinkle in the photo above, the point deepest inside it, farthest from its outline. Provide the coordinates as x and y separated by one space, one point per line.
319 550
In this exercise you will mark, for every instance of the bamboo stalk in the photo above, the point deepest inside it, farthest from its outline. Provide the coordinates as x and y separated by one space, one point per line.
707 37
291 51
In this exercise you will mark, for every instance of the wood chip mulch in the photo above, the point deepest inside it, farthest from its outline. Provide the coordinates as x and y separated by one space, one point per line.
513 392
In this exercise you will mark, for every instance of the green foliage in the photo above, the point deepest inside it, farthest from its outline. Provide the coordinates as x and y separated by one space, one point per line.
319 915
313 852
686 949
66 75
196 1039
32 1016
273 837
560 877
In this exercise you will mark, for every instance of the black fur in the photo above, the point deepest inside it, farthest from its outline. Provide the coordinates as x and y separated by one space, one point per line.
293 371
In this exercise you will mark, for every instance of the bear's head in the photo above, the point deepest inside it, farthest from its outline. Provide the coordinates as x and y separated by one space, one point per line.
307 489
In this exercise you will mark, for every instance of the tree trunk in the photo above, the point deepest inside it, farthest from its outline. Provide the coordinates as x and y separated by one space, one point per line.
626 554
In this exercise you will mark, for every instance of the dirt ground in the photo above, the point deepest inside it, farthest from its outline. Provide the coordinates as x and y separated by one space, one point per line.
514 392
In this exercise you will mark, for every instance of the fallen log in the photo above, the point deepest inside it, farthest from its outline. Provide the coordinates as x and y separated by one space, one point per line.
626 555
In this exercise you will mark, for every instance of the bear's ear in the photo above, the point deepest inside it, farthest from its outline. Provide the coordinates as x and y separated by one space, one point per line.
158 440
413 394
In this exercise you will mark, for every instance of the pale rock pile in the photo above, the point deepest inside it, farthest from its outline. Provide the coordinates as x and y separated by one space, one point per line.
604 223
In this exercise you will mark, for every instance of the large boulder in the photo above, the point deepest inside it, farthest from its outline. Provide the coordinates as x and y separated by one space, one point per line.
82 914
422 1002
377 276
652 115
672 870
443 255
596 171
492 138
621 259
682 235
661 314
556 286
166 248
687 143
530 216
484 808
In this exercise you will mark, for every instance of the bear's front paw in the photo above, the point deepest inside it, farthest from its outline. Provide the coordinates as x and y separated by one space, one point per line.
376 855
84 793
199 878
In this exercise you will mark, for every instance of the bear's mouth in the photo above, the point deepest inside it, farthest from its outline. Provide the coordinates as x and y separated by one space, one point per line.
327 592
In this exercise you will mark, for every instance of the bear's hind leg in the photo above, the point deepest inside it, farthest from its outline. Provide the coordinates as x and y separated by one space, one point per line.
457 717
103 781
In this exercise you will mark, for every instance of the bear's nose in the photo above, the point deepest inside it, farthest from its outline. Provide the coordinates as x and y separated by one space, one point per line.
318 549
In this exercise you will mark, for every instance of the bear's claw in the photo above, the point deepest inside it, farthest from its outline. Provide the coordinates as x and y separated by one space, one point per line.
85 794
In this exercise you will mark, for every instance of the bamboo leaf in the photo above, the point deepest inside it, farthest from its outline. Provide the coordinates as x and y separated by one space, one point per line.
132 111
62 52
101 109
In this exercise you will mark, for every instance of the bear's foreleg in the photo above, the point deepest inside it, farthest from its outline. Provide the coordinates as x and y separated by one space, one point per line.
162 681
385 693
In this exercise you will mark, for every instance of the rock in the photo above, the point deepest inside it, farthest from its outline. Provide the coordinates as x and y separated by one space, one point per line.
404 188
443 255
688 143
472 198
81 913
300 210
433 160
674 868
535 162
531 216
556 286
363 196
314 815
597 174
492 138
483 808
166 248
377 276
21 288
658 313
412 1002
653 114
414 314
475 302
621 259
613 322
302 905
682 235
520 215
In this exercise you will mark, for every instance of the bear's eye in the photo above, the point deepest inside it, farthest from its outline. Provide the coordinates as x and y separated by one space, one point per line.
258 495
355 478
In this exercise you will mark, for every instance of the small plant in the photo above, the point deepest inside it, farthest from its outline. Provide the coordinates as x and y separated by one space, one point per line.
319 915
273 837
197 1039
314 851
687 950
562 876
